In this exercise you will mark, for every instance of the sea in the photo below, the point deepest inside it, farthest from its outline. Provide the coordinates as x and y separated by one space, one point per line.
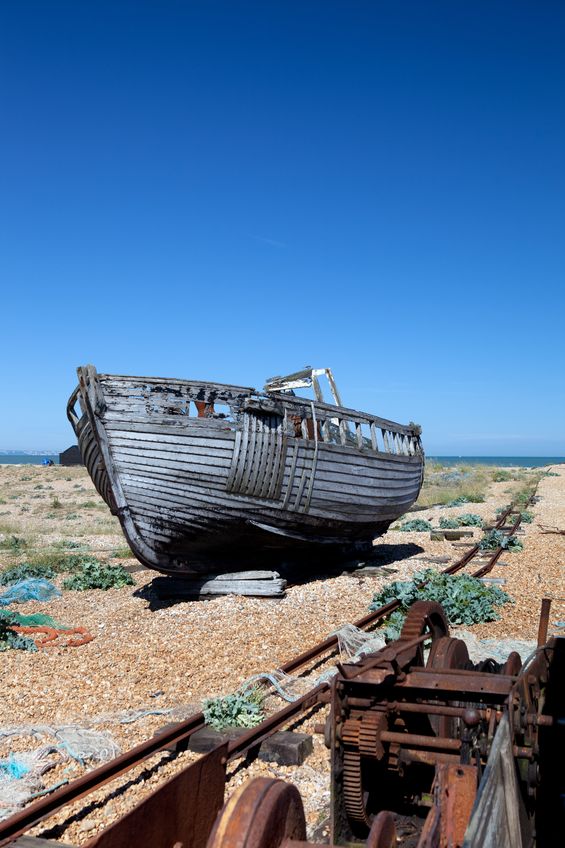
28 458
505 461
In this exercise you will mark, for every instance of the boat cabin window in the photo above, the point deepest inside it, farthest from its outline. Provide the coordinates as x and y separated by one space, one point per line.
212 409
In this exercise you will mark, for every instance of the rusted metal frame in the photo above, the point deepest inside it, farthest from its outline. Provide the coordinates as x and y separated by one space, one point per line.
179 812
457 685
455 788
544 621
418 741
385 660
434 709
429 758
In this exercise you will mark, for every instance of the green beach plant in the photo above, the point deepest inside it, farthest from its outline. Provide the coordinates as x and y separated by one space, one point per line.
448 523
465 599
416 525
496 539
470 519
95 575
243 708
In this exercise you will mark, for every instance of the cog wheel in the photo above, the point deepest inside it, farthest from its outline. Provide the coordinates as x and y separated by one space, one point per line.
422 617
372 723
354 798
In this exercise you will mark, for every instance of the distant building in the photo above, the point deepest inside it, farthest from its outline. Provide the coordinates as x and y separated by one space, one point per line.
71 456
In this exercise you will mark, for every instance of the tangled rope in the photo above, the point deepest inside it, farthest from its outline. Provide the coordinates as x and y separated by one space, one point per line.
52 636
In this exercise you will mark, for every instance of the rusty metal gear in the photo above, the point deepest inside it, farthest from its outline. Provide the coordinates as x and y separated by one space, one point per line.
372 724
422 617
361 738
353 797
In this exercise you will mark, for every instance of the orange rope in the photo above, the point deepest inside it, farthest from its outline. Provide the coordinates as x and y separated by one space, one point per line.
52 635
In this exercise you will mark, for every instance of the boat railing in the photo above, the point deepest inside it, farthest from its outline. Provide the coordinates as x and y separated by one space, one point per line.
351 428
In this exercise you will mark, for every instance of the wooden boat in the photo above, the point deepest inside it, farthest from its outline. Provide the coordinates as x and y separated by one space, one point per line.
202 475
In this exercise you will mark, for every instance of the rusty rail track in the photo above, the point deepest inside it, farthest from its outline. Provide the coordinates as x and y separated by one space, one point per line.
17 825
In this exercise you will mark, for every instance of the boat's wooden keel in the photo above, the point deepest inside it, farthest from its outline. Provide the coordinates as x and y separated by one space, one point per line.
260 584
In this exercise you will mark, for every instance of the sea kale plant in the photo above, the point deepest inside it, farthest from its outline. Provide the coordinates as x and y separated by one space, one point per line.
94 575
465 599
417 524
496 539
10 639
243 708
448 523
470 519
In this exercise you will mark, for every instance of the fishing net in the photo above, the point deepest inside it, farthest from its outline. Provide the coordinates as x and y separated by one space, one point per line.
21 773
32 589
289 688
21 776
497 649
354 643
82 744
36 619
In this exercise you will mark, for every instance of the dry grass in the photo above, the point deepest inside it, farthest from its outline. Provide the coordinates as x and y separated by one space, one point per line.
445 484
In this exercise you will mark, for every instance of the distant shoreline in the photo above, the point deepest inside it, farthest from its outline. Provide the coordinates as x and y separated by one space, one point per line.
504 461
27 458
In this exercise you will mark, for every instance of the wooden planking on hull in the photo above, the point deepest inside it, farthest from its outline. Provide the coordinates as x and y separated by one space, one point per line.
186 464
187 474
180 486
197 514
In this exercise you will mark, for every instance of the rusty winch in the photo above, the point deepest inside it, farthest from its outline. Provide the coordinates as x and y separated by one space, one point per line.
427 749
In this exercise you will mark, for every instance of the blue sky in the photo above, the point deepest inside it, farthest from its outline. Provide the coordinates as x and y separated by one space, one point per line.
233 190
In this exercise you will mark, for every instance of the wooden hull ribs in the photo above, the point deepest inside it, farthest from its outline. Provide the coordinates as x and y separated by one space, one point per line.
202 472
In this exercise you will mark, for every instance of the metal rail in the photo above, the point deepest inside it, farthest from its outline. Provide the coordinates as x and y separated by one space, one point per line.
41 809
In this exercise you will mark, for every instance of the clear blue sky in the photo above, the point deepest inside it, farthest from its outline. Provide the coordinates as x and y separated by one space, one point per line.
230 190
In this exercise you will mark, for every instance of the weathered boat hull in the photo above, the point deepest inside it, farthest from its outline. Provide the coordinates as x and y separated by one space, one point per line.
194 486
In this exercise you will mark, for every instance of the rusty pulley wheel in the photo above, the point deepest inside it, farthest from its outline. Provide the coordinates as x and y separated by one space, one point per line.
513 664
447 653
260 814
383 831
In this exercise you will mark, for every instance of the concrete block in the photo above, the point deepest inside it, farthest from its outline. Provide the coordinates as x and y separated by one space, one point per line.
438 534
207 738
286 748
